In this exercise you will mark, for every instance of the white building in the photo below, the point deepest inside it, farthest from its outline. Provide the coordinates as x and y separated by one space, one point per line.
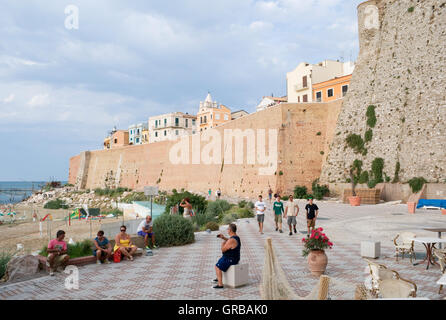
300 80
268 102
136 133
170 126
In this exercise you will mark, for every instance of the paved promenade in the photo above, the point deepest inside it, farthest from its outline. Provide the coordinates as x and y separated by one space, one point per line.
187 272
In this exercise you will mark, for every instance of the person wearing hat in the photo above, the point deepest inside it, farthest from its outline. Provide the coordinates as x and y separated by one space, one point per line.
312 212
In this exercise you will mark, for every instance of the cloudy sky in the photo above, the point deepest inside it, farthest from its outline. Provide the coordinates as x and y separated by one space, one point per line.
61 90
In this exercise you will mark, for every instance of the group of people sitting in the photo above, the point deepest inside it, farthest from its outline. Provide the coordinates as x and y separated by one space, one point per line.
58 249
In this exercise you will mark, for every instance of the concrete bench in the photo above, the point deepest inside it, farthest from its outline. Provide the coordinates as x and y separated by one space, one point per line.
236 276
370 249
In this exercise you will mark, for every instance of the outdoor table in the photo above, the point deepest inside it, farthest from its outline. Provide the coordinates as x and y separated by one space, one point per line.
429 244
439 230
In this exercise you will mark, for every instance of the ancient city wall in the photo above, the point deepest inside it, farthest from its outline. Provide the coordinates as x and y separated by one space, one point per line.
303 135
401 71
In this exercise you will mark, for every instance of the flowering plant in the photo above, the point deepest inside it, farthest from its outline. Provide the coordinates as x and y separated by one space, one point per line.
317 241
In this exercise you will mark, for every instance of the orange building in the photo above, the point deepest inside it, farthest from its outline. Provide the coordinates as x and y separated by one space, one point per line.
116 139
212 114
332 89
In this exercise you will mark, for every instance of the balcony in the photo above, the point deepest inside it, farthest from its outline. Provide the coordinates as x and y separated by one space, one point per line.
300 87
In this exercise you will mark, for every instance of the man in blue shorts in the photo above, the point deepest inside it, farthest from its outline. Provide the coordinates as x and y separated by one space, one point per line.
231 254
145 230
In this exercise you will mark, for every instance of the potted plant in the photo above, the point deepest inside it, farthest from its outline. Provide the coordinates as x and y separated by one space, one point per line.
314 249
355 172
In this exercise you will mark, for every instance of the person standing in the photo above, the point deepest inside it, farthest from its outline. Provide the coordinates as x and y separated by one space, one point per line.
312 212
218 193
270 194
185 203
209 193
278 212
260 213
291 212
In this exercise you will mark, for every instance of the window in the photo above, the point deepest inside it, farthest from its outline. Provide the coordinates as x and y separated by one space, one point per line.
176 132
186 123
156 123
319 96
305 98
304 82
193 122
165 122
226 117
205 119
211 116
137 140
165 133
116 140
344 90
177 122
330 93
217 116
156 134
137 132
298 99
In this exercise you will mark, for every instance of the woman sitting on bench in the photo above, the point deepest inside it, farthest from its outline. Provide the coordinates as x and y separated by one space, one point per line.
124 243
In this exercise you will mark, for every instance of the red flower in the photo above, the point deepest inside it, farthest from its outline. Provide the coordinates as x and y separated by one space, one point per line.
317 237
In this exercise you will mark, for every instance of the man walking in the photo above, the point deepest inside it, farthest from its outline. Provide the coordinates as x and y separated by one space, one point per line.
260 213
270 194
291 211
312 212
278 212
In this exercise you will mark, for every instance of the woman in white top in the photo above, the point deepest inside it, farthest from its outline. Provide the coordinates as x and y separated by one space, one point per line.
185 203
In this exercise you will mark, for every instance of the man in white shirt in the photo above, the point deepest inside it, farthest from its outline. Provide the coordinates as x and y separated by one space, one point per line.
291 210
260 213
145 229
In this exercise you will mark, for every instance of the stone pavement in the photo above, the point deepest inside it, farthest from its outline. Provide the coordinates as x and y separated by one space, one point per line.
187 272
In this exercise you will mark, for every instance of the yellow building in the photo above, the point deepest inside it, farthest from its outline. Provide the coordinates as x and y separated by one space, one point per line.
212 114
116 139
145 136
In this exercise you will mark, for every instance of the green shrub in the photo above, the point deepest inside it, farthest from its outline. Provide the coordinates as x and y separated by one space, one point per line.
416 184
251 205
5 256
364 177
355 142
173 230
371 116
201 219
198 202
368 135
411 9
319 133
244 213
396 178
55 204
217 209
77 250
376 175
116 212
242 204
285 198
319 191
229 218
213 226
300 192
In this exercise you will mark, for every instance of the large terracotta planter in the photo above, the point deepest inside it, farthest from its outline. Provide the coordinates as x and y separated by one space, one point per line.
355 201
317 262
411 207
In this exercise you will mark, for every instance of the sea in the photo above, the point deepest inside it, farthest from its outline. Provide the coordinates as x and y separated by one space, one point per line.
12 192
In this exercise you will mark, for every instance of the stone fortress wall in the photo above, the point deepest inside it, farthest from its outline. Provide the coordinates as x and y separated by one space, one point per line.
303 135
401 71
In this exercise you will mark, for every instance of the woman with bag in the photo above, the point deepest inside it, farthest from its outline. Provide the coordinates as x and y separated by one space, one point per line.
123 244
185 204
